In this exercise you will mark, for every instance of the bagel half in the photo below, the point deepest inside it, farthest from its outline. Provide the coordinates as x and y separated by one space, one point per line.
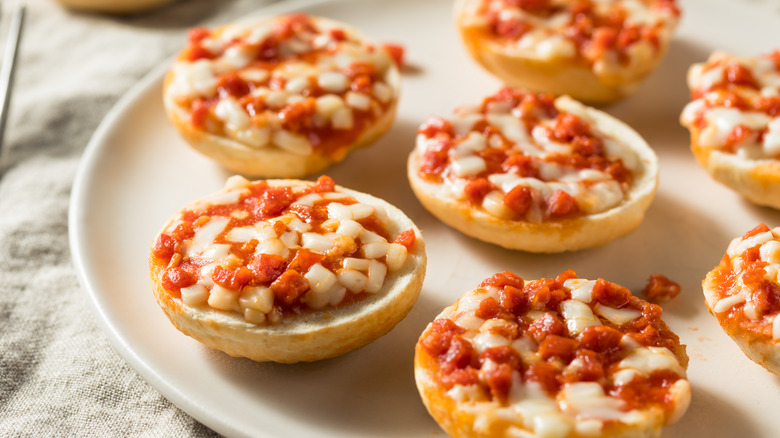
559 358
743 294
571 48
281 96
602 215
308 290
734 123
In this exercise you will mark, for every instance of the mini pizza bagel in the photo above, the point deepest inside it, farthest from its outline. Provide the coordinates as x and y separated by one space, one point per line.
532 172
287 270
734 123
743 293
563 357
595 51
282 96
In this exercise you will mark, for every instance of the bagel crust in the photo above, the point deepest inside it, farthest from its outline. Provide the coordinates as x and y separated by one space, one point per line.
734 123
574 48
743 293
551 358
287 270
281 96
531 172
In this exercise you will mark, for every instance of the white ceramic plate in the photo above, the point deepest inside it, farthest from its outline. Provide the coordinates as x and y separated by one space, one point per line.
137 172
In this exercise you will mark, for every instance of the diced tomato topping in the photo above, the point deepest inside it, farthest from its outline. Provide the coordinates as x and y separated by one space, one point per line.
338 34
460 376
521 165
601 338
232 279
198 52
198 34
546 375
738 74
267 267
503 279
589 368
588 146
566 275
357 69
533 6
231 84
561 204
766 298
547 324
176 278
546 294
436 125
438 337
758 229
558 346
324 184
293 24
476 189
512 299
275 200
511 28
519 200
568 126
406 238
290 286
660 289
641 390
490 308
164 247
610 294
459 354
397 52
361 84
305 259
199 113
297 116
499 380
769 105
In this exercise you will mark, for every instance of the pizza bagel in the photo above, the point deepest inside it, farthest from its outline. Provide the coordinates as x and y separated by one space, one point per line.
532 172
281 96
743 294
287 270
560 357
734 123
595 51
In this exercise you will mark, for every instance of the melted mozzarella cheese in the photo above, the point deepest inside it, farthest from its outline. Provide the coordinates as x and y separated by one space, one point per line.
617 316
646 360
206 234
739 245
578 316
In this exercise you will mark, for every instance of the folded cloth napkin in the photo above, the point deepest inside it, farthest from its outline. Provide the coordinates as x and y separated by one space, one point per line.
58 374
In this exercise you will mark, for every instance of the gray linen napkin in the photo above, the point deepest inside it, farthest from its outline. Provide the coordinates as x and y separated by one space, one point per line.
58 374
